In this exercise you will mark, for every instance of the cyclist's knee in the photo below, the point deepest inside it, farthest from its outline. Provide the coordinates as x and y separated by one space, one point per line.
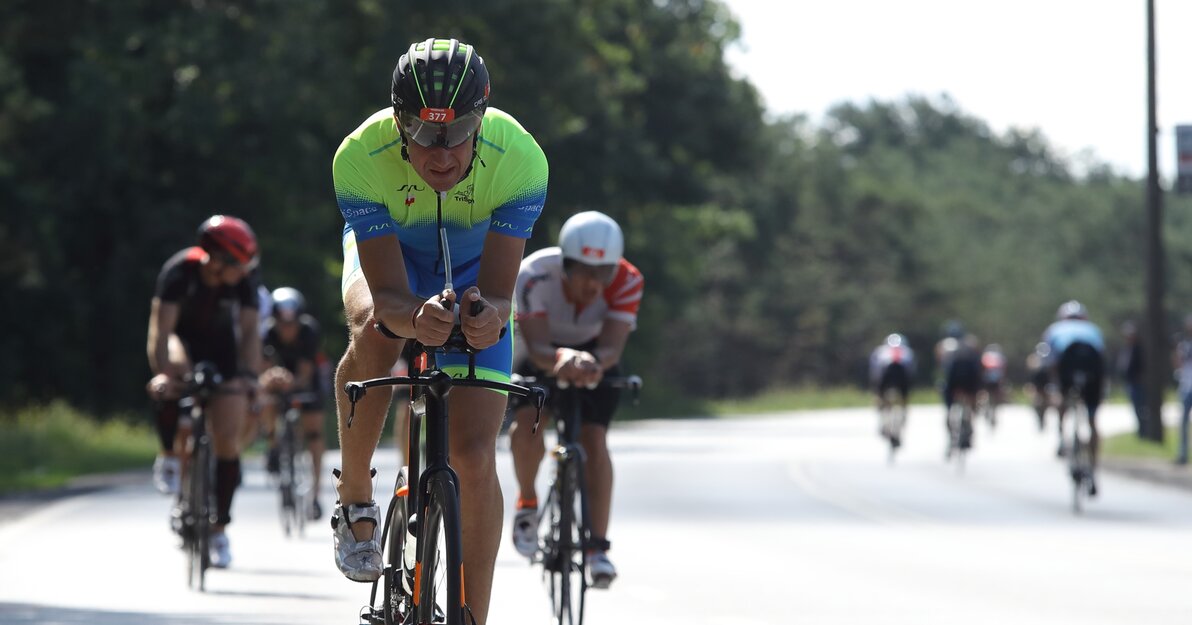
369 347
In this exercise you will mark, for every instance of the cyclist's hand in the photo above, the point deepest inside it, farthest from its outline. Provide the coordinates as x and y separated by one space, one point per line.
276 380
482 329
162 387
590 370
435 319
575 367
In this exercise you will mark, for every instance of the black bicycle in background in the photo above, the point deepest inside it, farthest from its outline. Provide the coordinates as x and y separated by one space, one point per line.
565 527
424 561
194 512
294 479
1079 452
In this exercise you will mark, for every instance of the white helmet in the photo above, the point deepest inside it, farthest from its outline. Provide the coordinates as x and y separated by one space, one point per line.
592 238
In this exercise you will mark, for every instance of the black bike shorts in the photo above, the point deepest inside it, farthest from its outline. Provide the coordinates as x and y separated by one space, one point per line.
894 376
1082 357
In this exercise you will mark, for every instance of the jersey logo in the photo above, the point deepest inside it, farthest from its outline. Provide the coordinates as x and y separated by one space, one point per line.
465 195
411 188
409 199
377 227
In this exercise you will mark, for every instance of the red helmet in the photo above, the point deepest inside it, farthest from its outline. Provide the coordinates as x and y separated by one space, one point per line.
221 233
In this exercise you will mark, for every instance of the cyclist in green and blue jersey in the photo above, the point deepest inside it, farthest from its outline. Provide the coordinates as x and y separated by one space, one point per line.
439 153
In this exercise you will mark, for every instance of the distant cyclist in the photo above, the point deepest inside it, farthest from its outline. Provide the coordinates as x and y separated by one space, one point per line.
577 304
292 350
205 309
959 359
891 368
1078 348
993 381
1039 386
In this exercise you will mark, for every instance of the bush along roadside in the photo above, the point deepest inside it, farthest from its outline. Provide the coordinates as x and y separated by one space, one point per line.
43 447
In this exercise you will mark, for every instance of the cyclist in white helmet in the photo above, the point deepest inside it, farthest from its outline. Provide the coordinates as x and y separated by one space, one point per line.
576 305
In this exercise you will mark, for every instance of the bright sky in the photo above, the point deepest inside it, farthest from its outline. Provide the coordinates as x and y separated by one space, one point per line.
1075 69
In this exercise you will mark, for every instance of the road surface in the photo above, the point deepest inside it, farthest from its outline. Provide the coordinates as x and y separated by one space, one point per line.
766 520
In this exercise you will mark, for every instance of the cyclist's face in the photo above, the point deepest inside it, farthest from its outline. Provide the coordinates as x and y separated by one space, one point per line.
441 168
226 269
287 330
585 283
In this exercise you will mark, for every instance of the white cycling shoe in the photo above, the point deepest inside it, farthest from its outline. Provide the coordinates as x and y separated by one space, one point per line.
167 474
525 532
358 560
220 550
601 571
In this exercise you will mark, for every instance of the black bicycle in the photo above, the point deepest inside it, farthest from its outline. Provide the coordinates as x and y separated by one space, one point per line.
294 483
194 512
1080 463
565 534
423 575
891 419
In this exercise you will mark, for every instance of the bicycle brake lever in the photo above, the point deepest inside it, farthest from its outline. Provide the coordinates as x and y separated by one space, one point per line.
539 402
355 391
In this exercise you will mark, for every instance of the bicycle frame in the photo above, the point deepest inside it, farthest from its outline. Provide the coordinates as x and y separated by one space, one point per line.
432 387
196 515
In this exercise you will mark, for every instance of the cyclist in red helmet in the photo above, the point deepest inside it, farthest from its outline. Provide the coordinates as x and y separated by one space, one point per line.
205 308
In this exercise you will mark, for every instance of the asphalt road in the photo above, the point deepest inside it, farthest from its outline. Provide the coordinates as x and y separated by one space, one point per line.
773 520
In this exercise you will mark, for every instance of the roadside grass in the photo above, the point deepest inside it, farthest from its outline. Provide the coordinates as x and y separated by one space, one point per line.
661 404
1128 445
46 446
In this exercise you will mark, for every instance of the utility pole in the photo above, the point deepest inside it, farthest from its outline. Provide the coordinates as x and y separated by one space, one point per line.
1155 333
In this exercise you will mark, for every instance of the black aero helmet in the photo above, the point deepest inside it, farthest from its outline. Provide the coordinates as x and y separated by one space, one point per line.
440 92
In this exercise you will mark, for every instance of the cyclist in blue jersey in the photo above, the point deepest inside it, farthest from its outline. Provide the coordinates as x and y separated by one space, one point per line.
439 155
1077 346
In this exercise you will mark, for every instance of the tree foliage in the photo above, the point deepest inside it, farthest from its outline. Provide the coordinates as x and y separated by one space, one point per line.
775 251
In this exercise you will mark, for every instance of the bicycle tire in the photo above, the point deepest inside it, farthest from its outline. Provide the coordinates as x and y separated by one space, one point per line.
438 576
285 480
1077 458
396 599
566 560
200 551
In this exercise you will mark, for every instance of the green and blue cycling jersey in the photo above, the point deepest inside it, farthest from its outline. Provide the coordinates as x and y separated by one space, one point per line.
380 194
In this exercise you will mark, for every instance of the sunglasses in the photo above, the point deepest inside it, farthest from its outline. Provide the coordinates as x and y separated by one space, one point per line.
440 127
601 273
228 260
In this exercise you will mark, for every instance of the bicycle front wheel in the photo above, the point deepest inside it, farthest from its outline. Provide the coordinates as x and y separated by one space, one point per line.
200 496
396 600
565 557
438 574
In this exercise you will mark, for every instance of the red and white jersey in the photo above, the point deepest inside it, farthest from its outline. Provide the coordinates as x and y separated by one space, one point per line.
540 294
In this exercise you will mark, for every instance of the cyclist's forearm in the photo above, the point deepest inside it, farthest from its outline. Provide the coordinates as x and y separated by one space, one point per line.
542 355
250 354
396 311
159 353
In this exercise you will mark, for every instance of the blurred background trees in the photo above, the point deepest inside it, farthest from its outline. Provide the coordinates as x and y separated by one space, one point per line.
776 251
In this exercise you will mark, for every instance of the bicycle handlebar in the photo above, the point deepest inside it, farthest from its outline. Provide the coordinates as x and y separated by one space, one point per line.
439 384
633 382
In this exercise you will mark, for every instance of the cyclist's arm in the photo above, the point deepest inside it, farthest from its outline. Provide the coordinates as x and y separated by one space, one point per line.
384 271
611 343
499 263
250 340
535 331
163 318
